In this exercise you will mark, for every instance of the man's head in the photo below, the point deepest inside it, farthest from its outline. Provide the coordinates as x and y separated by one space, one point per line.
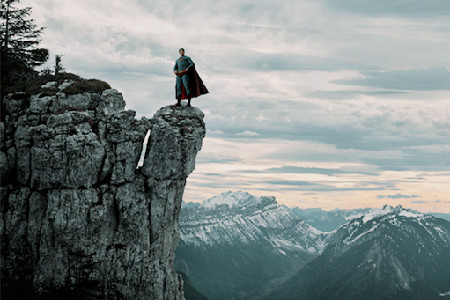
181 51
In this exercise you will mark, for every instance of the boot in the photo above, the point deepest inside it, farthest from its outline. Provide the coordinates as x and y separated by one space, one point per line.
179 101
189 101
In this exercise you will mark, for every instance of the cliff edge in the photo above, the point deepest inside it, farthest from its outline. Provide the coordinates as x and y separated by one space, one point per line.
78 218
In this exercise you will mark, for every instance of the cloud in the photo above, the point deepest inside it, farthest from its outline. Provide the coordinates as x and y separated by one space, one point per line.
414 159
294 169
308 170
352 94
285 61
397 196
414 8
413 79
218 160
322 83
247 133
289 182
329 186
215 132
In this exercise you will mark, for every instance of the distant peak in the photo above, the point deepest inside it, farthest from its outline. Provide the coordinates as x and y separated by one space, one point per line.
398 209
390 210
231 199
387 207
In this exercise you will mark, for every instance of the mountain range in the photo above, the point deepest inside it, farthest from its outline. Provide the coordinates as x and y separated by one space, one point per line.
238 246
390 253
329 220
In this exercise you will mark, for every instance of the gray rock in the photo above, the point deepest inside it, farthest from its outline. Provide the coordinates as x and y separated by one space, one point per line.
81 102
13 107
176 132
4 165
49 84
65 84
2 135
111 101
79 215
40 105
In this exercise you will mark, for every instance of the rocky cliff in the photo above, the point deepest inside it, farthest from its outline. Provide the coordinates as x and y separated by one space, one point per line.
78 217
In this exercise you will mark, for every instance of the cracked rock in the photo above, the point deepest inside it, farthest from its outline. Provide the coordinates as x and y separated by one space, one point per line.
78 216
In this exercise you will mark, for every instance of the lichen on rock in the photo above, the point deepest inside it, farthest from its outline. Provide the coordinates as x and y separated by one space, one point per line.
77 215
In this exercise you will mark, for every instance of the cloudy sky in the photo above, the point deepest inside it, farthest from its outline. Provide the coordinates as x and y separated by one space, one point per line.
326 103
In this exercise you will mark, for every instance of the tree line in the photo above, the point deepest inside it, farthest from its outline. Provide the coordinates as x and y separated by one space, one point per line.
20 51
20 37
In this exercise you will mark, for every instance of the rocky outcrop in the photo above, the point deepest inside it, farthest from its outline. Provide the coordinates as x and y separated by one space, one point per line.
78 217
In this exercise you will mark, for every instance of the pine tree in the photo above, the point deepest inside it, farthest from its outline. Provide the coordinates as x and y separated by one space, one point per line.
19 39
58 65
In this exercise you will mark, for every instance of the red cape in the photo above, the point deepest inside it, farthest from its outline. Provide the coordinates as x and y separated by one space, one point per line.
195 85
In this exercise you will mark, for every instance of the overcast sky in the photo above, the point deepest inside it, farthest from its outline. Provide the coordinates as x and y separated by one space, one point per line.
326 103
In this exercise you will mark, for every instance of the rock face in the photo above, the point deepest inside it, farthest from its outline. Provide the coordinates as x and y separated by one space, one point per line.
77 216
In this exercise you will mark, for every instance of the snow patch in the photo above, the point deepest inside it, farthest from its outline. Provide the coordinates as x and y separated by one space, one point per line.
375 213
410 214
350 240
438 229
387 210
228 198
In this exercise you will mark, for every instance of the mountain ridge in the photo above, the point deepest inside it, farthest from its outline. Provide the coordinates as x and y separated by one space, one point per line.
394 253
366 233
329 220
247 245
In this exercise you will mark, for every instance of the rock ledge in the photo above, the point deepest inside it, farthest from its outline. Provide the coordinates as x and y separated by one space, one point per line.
77 216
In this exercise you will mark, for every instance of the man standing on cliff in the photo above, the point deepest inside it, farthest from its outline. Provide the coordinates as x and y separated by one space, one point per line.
188 83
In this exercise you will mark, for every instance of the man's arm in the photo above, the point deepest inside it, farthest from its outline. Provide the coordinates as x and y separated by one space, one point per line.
175 68
191 64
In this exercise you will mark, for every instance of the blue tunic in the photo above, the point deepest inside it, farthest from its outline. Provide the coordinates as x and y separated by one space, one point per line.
181 64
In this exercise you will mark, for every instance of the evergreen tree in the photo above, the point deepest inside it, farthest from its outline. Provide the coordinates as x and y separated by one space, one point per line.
58 65
19 39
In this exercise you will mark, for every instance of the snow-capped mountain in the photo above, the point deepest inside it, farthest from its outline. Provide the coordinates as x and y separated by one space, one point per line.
236 245
239 216
230 199
329 220
388 253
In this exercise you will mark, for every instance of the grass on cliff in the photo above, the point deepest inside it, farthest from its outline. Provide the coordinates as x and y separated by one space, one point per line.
34 82
86 86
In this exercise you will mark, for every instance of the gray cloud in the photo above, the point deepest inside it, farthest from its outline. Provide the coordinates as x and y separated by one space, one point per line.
293 169
209 160
324 187
414 79
397 196
411 159
351 94
304 170
358 82
257 61
415 8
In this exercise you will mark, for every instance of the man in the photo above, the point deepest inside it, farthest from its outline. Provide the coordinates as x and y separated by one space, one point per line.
188 83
